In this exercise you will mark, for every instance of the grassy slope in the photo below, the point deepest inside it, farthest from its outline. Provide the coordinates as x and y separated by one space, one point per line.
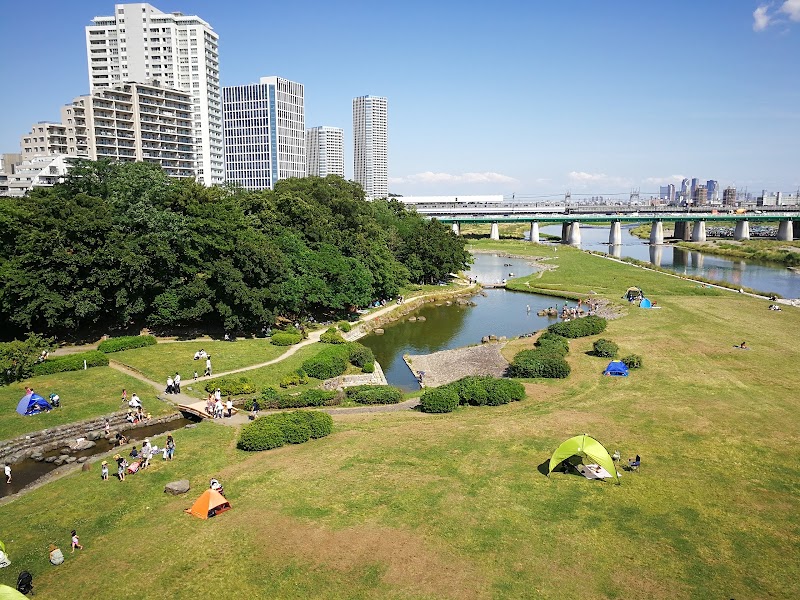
84 394
156 362
408 505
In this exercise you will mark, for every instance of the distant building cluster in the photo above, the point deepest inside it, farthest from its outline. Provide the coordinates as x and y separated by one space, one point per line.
155 96
693 193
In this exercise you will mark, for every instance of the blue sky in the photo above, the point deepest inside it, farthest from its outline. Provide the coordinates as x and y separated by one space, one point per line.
530 98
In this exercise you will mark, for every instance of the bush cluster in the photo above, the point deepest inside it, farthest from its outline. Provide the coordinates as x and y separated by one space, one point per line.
331 362
368 368
231 386
283 338
273 431
297 378
126 343
632 361
540 362
553 343
605 348
332 336
374 394
581 327
480 390
439 400
360 355
345 326
71 362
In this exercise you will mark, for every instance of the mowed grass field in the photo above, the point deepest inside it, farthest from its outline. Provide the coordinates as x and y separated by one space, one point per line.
84 395
165 359
409 505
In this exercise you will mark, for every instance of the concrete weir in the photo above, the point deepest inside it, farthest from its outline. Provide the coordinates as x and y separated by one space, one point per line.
699 231
535 232
657 233
615 234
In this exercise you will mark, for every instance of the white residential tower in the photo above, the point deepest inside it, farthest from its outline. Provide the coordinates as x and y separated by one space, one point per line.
325 151
264 127
139 43
370 146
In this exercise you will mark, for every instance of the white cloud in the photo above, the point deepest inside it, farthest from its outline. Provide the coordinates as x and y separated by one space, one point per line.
583 179
431 177
761 17
665 180
791 8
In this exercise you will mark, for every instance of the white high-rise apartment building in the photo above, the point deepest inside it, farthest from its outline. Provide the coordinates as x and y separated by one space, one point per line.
265 127
140 43
370 145
325 151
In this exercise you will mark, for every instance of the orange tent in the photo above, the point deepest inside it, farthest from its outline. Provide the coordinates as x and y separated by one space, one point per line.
210 503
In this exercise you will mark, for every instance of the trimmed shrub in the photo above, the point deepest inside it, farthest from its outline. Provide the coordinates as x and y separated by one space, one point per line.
295 427
539 363
332 336
70 362
126 343
375 394
321 423
359 354
296 378
231 386
553 342
262 434
368 368
268 395
438 400
605 348
487 391
632 361
331 362
581 327
285 339
345 326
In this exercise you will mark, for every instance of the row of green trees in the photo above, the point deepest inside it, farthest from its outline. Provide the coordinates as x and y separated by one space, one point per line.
122 245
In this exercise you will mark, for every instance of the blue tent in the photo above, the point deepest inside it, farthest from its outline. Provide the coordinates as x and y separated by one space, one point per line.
616 368
32 404
645 303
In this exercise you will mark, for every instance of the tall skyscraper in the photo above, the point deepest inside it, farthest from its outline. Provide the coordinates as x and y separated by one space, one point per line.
370 145
729 196
265 128
140 43
712 187
325 151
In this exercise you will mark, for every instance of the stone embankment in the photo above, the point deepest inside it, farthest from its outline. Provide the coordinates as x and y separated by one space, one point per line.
36 444
443 367
345 381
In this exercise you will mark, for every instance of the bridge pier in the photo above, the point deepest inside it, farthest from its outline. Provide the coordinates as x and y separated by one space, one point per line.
684 232
680 227
494 234
535 232
796 227
785 231
565 228
657 233
742 231
615 235
656 253
699 231
575 234
457 228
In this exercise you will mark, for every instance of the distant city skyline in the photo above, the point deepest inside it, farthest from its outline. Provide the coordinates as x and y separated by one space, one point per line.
521 99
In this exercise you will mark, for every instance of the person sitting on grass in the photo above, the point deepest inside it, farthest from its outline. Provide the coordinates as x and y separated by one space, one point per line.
134 453
743 346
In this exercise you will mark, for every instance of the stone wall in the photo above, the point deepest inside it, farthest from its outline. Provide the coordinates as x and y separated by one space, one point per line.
39 442
345 381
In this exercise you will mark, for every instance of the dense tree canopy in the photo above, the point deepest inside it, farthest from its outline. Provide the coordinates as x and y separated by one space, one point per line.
121 245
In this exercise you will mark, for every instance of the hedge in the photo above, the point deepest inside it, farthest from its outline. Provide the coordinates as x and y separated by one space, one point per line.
70 362
539 363
126 343
605 348
332 336
296 378
632 361
231 386
285 339
331 362
368 368
487 391
374 394
359 354
580 327
273 431
554 342
438 400
345 326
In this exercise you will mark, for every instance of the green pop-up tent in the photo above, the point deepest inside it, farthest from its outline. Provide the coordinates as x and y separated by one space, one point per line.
584 446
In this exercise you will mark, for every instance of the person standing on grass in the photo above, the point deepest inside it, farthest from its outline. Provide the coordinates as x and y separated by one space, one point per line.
75 541
177 383
7 470
124 395
170 447
208 366
104 470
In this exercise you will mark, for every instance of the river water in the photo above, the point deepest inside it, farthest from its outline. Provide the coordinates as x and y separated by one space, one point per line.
499 312
765 277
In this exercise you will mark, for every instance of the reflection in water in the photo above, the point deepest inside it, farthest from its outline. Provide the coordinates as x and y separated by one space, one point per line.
656 254
615 250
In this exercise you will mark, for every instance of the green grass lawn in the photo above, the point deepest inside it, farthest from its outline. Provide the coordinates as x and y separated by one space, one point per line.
159 361
414 506
84 394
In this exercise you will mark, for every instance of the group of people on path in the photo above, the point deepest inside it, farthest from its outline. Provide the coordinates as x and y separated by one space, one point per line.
215 407
173 384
